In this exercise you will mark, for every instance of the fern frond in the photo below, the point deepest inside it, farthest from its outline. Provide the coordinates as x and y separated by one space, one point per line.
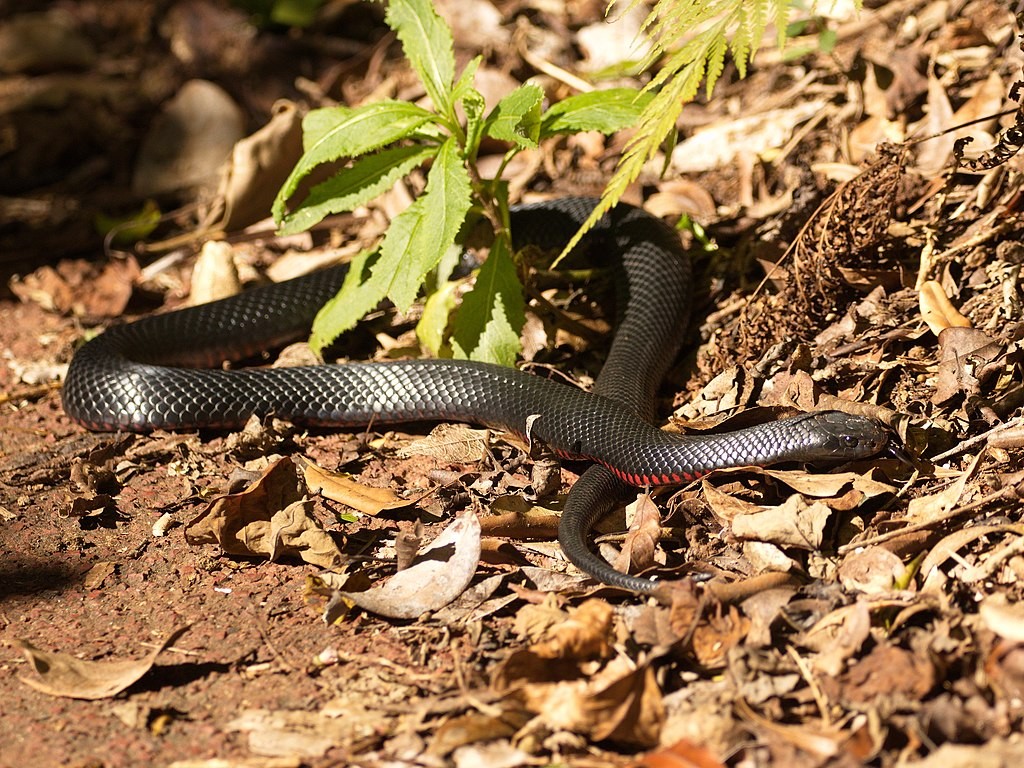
682 69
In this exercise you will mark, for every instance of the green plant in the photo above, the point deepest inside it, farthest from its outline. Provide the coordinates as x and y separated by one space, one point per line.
382 142
708 30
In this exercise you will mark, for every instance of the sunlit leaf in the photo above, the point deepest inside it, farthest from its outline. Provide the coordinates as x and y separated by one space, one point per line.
491 316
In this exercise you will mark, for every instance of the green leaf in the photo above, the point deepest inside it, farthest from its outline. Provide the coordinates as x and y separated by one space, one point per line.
336 132
132 227
473 105
827 39
368 177
354 300
427 42
606 111
423 232
434 321
491 316
295 13
517 117
415 242
465 81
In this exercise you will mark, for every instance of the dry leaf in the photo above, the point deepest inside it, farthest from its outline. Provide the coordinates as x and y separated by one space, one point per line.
715 637
962 352
343 489
718 145
627 710
271 517
726 507
61 674
98 574
937 310
621 702
682 754
585 634
1003 618
438 575
888 673
838 636
258 167
954 542
309 734
451 444
641 542
826 485
534 621
873 571
794 523
188 141
214 275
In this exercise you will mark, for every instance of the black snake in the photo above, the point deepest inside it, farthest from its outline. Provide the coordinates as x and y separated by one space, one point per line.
159 372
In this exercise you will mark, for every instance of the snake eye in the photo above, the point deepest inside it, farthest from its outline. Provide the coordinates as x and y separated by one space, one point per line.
849 441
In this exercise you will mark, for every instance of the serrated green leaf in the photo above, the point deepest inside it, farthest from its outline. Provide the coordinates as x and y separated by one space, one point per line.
473 105
606 111
465 81
491 317
330 134
423 232
368 177
516 118
427 43
437 309
355 299
415 242
716 63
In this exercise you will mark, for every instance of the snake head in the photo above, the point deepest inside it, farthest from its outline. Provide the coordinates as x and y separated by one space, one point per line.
842 435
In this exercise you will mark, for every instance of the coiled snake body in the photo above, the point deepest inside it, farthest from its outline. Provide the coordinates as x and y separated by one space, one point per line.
143 376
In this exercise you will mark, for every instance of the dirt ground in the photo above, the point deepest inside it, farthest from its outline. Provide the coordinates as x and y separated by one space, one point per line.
861 614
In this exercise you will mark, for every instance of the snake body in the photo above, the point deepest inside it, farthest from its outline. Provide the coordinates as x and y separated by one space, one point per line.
157 373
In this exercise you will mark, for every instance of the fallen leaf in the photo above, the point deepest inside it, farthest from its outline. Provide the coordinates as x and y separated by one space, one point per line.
259 165
585 634
949 545
719 144
340 487
214 275
888 672
451 444
471 728
271 517
725 506
188 141
962 353
824 485
534 621
308 734
837 636
621 702
715 637
794 523
98 574
61 674
873 571
1003 618
682 754
439 574
641 541
936 309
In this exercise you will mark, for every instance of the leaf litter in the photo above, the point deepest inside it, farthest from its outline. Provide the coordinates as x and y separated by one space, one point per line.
865 615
